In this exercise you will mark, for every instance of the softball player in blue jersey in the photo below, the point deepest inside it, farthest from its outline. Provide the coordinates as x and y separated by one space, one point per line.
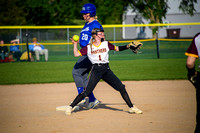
97 51
83 65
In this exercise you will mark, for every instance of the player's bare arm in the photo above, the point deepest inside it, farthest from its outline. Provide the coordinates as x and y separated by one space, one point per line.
76 53
190 61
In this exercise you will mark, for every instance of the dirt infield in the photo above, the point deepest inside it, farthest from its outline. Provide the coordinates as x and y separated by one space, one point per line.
168 106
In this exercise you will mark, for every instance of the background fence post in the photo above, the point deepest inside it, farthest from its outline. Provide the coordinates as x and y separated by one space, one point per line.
20 37
68 41
157 45
27 35
114 37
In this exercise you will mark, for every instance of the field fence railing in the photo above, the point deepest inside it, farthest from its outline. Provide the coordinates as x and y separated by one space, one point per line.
173 38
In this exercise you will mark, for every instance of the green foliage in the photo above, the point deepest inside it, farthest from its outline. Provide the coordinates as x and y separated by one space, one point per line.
63 12
11 13
38 13
187 6
53 12
153 10
156 10
109 11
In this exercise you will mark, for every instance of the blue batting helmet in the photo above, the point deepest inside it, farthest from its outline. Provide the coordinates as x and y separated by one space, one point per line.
89 8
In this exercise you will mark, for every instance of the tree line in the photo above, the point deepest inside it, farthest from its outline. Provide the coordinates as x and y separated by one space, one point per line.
64 12
67 12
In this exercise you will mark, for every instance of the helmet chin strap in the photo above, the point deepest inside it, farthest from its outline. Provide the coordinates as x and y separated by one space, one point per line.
102 39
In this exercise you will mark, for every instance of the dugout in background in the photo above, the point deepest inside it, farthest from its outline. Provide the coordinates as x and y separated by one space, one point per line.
173 33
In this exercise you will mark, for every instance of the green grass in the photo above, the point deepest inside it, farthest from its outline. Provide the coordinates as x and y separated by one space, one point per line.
125 64
58 72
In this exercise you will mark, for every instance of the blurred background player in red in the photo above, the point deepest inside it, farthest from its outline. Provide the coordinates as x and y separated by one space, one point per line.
193 53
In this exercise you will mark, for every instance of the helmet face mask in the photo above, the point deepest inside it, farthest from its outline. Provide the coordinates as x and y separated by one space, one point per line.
96 31
89 8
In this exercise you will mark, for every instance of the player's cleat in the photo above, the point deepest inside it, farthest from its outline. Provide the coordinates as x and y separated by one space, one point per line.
82 102
135 110
63 108
76 108
68 110
93 104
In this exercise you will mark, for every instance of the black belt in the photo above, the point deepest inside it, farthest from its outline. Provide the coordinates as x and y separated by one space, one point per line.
101 64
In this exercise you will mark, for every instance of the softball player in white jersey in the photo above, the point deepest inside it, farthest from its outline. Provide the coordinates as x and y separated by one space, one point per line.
83 65
97 52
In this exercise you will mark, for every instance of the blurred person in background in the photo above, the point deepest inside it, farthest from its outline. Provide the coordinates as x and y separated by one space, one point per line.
14 49
193 53
3 52
38 49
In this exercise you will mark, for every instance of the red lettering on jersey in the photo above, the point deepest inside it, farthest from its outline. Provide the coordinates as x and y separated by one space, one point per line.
98 51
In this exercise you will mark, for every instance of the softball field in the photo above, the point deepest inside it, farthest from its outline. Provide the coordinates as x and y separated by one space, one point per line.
169 106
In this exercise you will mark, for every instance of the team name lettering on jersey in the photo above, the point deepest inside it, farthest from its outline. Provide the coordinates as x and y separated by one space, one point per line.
86 29
98 51
98 54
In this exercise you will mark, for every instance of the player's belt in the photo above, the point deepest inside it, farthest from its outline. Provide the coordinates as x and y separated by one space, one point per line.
101 64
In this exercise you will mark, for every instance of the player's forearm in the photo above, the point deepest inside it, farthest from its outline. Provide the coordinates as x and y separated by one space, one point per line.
121 48
76 53
190 62
190 65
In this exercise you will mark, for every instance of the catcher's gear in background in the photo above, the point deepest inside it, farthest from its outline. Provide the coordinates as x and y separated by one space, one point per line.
135 46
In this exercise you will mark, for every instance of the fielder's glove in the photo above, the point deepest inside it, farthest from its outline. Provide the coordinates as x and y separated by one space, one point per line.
195 79
135 46
193 76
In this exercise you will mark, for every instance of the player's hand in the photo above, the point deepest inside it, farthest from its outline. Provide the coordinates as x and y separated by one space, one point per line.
194 78
74 42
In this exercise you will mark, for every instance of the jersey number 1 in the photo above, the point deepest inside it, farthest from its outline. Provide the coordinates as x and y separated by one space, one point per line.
100 57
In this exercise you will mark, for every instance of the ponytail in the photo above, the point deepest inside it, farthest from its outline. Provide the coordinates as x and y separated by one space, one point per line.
96 18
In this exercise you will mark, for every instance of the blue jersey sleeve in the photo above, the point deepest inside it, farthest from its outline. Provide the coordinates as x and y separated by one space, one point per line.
31 46
86 32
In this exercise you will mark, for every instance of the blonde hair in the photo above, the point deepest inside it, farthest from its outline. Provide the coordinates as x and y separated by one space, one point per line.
34 39
93 37
96 18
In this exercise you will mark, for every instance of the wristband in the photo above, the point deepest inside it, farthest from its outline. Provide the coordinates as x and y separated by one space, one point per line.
121 48
191 71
